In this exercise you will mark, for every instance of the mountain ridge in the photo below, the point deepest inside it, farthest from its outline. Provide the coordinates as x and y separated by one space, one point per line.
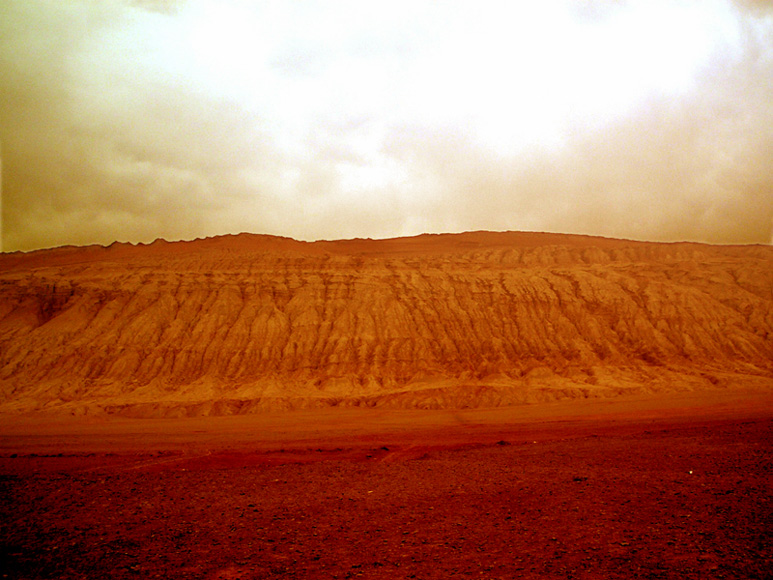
249 323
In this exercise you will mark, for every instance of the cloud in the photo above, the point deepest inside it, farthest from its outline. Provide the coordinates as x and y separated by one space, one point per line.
132 120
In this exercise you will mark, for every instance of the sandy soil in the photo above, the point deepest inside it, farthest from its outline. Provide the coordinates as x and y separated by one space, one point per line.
669 487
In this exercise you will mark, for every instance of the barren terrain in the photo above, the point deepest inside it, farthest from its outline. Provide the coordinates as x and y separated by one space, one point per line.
243 324
660 487
481 405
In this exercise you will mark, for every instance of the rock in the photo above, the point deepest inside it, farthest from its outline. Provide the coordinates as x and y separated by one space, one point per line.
244 324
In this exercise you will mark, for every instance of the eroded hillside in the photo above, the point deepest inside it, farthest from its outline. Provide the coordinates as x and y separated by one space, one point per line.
243 323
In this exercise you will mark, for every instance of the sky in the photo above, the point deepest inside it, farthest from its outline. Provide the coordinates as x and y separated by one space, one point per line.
131 120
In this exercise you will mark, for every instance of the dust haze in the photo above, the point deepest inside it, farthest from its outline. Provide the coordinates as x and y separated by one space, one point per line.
131 121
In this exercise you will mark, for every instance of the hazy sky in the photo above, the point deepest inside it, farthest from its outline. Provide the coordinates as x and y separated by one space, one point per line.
133 120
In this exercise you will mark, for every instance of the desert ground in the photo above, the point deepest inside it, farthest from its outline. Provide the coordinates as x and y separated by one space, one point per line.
488 405
631 487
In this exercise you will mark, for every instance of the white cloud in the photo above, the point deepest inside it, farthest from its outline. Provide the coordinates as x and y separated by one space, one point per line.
134 120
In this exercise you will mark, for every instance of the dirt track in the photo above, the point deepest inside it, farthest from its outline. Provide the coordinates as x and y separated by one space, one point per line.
662 492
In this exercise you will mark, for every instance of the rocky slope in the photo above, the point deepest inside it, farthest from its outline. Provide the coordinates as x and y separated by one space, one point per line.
244 323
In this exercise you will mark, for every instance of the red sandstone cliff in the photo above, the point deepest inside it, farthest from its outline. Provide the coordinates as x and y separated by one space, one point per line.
244 323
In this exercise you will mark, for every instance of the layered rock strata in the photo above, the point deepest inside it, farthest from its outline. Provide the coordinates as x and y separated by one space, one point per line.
247 323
